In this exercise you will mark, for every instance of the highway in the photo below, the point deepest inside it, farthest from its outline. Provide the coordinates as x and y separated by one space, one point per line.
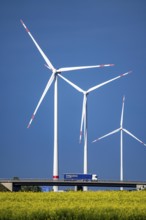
48 182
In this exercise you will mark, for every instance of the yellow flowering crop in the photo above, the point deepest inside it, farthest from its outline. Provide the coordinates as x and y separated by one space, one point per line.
73 205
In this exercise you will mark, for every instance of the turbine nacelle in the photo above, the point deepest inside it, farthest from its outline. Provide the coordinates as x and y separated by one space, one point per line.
86 93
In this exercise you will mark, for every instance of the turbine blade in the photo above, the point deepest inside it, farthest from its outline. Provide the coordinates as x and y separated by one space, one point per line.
42 97
104 83
128 132
64 69
71 83
122 113
82 118
39 49
106 135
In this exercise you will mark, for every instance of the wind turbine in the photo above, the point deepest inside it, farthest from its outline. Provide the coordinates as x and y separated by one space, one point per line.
84 114
121 129
52 79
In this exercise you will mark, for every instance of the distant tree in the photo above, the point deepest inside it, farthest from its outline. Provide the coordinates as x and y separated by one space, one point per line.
15 178
31 189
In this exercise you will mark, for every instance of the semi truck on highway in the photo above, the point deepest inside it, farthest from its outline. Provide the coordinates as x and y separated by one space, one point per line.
78 176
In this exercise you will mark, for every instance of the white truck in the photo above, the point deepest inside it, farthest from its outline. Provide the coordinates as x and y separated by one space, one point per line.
78 176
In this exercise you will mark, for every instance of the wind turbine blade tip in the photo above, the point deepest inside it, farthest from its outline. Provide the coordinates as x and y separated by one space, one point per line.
28 126
94 141
130 71
106 65
24 26
124 74
31 121
22 22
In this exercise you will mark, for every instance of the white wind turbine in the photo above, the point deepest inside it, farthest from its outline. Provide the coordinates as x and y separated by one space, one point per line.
84 115
121 129
52 79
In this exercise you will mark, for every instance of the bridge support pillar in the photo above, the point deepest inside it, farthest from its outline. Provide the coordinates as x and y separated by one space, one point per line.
8 186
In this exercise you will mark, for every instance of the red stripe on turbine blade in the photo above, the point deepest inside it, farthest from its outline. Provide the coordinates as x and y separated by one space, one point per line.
30 121
102 65
125 73
27 30
21 22
28 125
32 117
24 26
55 177
111 64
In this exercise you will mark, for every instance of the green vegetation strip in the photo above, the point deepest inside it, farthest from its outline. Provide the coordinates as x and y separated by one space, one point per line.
73 205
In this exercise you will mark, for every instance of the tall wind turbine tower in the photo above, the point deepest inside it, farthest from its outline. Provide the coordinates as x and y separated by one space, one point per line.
121 129
84 115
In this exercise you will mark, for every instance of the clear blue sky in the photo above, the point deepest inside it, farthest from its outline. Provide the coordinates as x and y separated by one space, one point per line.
72 33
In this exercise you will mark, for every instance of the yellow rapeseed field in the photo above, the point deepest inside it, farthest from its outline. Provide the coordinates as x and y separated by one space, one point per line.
73 205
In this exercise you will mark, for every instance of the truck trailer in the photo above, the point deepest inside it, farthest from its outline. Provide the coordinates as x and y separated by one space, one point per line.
78 176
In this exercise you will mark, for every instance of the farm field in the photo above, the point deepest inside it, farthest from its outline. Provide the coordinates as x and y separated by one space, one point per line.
73 205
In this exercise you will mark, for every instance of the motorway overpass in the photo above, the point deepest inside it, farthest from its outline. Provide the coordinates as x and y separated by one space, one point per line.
13 184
